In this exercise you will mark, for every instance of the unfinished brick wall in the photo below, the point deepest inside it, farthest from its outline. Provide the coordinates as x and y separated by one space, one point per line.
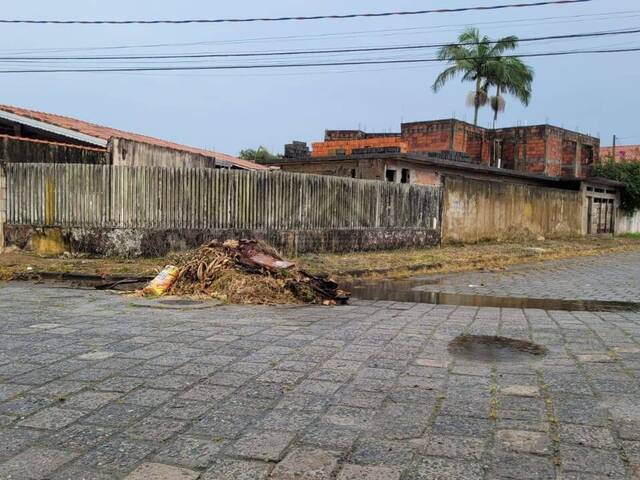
553 155
428 136
508 154
477 147
624 153
569 153
541 149
346 147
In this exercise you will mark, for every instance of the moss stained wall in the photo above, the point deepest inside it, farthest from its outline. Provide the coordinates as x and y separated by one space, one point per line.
22 150
3 205
476 211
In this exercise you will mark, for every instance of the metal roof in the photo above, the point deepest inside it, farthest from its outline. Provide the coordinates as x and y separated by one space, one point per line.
99 135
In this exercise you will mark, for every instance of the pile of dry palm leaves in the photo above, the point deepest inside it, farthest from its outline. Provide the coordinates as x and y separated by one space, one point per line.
249 272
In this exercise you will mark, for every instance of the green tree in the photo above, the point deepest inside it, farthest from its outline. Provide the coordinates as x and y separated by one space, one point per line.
259 155
627 172
471 57
509 75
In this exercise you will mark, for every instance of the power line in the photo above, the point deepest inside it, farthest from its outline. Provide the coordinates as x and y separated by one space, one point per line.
296 65
315 52
612 15
282 19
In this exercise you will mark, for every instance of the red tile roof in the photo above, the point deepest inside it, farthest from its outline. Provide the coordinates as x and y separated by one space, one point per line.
106 133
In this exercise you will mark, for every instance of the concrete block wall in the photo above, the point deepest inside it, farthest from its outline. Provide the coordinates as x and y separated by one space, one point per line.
480 210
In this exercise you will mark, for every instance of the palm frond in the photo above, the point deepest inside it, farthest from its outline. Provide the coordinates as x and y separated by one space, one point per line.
504 44
444 77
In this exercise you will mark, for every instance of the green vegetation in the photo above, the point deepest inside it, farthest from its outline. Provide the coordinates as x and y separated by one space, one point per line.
509 75
259 155
629 173
480 60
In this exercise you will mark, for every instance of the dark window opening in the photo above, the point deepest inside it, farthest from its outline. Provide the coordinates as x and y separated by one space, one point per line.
391 175
406 176
353 173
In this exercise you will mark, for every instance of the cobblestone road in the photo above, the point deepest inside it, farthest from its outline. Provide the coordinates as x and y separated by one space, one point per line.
95 387
607 278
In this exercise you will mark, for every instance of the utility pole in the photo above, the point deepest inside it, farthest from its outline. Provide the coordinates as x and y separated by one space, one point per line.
613 150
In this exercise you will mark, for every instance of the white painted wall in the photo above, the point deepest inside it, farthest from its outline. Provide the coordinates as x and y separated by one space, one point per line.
628 223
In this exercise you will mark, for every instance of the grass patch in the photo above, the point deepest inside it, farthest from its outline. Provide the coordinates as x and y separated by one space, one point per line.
393 264
398 264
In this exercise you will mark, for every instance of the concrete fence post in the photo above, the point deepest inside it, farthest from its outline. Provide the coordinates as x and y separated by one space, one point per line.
3 204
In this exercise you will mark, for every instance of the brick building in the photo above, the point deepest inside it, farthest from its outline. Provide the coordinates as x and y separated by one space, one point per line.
624 153
540 149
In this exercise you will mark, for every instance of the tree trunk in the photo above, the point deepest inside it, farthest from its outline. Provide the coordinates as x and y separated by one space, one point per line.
495 111
475 103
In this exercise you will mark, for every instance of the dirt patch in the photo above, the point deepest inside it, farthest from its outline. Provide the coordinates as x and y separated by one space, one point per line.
483 348
367 265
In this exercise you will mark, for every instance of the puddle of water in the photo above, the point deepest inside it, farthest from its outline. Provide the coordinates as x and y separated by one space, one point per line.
175 304
410 291
180 302
482 348
80 281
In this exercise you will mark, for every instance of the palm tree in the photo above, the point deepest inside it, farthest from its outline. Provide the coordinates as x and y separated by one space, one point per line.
471 58
509 75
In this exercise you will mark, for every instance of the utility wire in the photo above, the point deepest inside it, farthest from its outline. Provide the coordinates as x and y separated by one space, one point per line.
612 15
315 52
296 65
282 19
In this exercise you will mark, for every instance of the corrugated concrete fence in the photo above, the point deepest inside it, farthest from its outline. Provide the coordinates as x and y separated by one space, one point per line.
151 210
3 205
478 210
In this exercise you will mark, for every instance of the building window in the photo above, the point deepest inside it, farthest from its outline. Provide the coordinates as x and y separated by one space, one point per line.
391 176
354 173
405 176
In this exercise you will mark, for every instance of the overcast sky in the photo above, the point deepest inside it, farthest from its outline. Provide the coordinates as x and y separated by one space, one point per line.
228 111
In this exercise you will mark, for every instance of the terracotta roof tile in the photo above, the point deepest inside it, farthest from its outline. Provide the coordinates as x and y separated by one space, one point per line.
106 133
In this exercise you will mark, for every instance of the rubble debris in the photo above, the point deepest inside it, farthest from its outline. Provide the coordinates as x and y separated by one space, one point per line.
249 272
